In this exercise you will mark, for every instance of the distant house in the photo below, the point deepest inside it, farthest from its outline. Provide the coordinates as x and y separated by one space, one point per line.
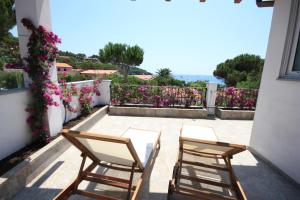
77 71
63 68
93 59
144 77
97 73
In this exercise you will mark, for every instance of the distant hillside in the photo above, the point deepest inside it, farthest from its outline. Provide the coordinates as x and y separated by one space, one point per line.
81 61
138 71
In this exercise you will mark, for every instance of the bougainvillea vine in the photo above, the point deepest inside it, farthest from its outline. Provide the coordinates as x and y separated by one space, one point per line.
67 94
85 96
42 52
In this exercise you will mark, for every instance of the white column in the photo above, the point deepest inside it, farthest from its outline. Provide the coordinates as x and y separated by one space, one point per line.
104 98
38 11
211 95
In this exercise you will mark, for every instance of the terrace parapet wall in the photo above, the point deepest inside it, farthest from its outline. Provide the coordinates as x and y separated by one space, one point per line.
223 113
158 112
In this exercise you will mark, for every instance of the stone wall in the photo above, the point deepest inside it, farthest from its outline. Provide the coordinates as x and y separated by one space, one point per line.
158 112
235 114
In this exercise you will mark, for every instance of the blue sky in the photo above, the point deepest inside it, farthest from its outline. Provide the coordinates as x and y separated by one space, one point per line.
184 35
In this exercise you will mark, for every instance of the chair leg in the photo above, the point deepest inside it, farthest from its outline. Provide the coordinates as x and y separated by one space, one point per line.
175 172
74 185
159 143
170 191
180 165
130 181
77 182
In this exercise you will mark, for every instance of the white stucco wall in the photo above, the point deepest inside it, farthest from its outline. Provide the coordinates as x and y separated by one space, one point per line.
14 132
103 99
276 128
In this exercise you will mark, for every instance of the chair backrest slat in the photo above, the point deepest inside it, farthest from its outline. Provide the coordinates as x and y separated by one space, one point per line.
204 140
211 147
111 149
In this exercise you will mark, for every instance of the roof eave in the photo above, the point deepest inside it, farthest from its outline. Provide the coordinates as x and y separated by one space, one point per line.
262 4
202 1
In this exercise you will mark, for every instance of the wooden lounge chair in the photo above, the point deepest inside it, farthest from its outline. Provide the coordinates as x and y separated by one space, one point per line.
202 162
134 151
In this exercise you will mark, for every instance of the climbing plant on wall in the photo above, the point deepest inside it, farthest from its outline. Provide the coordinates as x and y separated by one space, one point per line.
85 94
42 52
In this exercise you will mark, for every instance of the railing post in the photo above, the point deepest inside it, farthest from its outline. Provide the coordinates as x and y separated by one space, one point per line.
105 90
211 94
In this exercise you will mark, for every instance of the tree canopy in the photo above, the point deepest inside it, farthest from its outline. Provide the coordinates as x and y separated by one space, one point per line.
164 72
138 71
7 17
242 71
122 55
9 50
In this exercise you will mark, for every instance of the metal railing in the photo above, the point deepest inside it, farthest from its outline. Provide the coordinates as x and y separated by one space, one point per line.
237 98
157 96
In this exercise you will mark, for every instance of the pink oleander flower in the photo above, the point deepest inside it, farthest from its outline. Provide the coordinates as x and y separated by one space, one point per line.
141 89
157 97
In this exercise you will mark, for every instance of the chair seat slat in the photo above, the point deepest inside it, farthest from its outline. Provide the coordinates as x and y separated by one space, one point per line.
203 194
94 195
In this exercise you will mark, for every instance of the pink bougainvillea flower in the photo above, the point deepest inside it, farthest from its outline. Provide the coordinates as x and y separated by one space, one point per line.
57 92
26 68
42 51
29 120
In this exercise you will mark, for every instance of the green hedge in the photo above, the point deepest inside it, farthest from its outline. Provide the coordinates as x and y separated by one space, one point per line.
73 78
11 80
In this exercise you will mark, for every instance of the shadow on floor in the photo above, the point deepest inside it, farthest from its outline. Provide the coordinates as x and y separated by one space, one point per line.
263 182
259 182
35 192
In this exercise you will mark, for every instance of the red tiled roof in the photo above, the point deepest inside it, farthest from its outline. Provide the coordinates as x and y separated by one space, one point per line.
98 72
65 65
144 77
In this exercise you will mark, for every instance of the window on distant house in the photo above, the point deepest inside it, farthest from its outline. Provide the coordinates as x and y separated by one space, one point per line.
65 69
291 60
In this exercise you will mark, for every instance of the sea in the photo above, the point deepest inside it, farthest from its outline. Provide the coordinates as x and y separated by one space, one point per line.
193 78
